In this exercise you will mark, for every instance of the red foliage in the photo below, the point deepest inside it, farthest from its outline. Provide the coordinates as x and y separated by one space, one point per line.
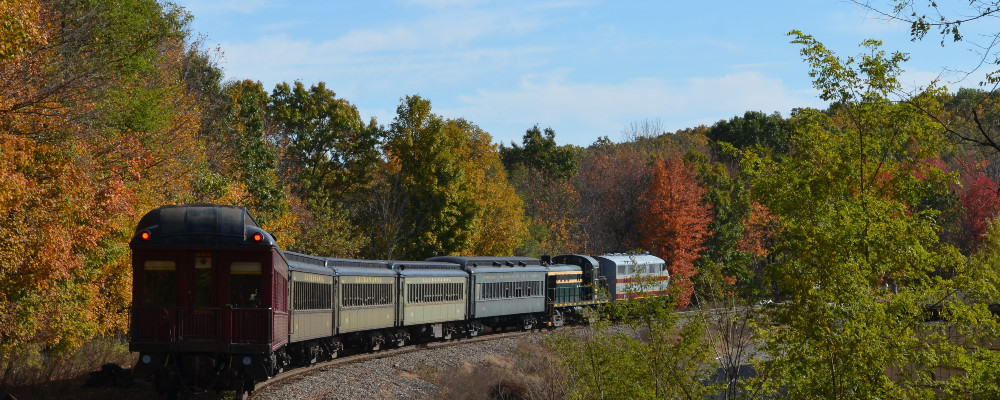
674 221
981 200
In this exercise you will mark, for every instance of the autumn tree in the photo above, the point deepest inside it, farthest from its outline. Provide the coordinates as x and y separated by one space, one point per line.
459 199
610 182
674 221
982 204
94 114
540 172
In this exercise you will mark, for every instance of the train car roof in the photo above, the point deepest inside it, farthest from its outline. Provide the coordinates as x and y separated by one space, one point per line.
486 261
577 259
428 268
306 263
200 225
356 263
403 265
476 265
564 267
434 272
350 266
621 258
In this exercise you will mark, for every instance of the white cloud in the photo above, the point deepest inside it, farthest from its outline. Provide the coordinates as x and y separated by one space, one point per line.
202 7
581 112
445 3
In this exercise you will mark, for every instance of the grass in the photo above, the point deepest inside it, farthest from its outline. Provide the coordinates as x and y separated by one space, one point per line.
31 372
532 372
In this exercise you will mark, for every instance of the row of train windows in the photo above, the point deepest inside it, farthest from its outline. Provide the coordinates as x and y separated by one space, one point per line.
434 292
311 296
509 290
630 269
366 294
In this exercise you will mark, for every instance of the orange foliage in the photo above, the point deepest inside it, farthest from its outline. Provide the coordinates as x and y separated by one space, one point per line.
760 226
674 221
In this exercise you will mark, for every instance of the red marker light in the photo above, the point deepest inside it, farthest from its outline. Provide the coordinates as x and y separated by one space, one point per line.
144 235
257 237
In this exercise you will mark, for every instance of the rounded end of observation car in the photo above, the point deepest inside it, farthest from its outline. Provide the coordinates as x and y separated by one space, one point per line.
200 225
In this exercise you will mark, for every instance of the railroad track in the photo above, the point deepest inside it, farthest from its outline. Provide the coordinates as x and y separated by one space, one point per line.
356 358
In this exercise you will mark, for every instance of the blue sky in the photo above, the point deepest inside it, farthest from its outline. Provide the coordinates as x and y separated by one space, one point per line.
584 68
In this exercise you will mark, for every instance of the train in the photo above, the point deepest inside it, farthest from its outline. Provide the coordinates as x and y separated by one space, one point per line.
218 305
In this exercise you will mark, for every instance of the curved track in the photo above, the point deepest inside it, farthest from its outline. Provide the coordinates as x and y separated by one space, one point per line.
354 358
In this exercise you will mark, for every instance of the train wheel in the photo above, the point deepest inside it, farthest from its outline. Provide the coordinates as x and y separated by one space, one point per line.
528 324
558 319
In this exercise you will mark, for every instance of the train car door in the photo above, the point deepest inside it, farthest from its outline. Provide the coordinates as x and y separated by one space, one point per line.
155 296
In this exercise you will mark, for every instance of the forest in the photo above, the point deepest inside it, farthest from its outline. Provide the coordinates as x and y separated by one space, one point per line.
858 217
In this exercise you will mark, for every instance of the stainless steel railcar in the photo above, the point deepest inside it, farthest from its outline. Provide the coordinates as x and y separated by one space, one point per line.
634 275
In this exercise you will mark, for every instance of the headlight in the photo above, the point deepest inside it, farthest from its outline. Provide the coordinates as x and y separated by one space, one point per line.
146 359
246 360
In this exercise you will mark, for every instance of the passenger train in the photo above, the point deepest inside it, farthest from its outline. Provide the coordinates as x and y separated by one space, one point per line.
218 305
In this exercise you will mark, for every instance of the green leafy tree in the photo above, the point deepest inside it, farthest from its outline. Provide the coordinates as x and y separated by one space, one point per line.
327 155
539 151
242 156
328 150
458 196
847 232
754 128
723 267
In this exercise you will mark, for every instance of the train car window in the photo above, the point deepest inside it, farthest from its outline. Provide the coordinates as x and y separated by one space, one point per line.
311 296
367 294
202 282
621 269
160 285
245 284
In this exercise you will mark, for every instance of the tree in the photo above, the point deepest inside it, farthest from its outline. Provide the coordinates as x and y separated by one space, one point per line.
674 221
982 204
550 206
327 150
93 115
754 128
242 154
541 153
458 196
946 19
499 225
846 229
610 183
